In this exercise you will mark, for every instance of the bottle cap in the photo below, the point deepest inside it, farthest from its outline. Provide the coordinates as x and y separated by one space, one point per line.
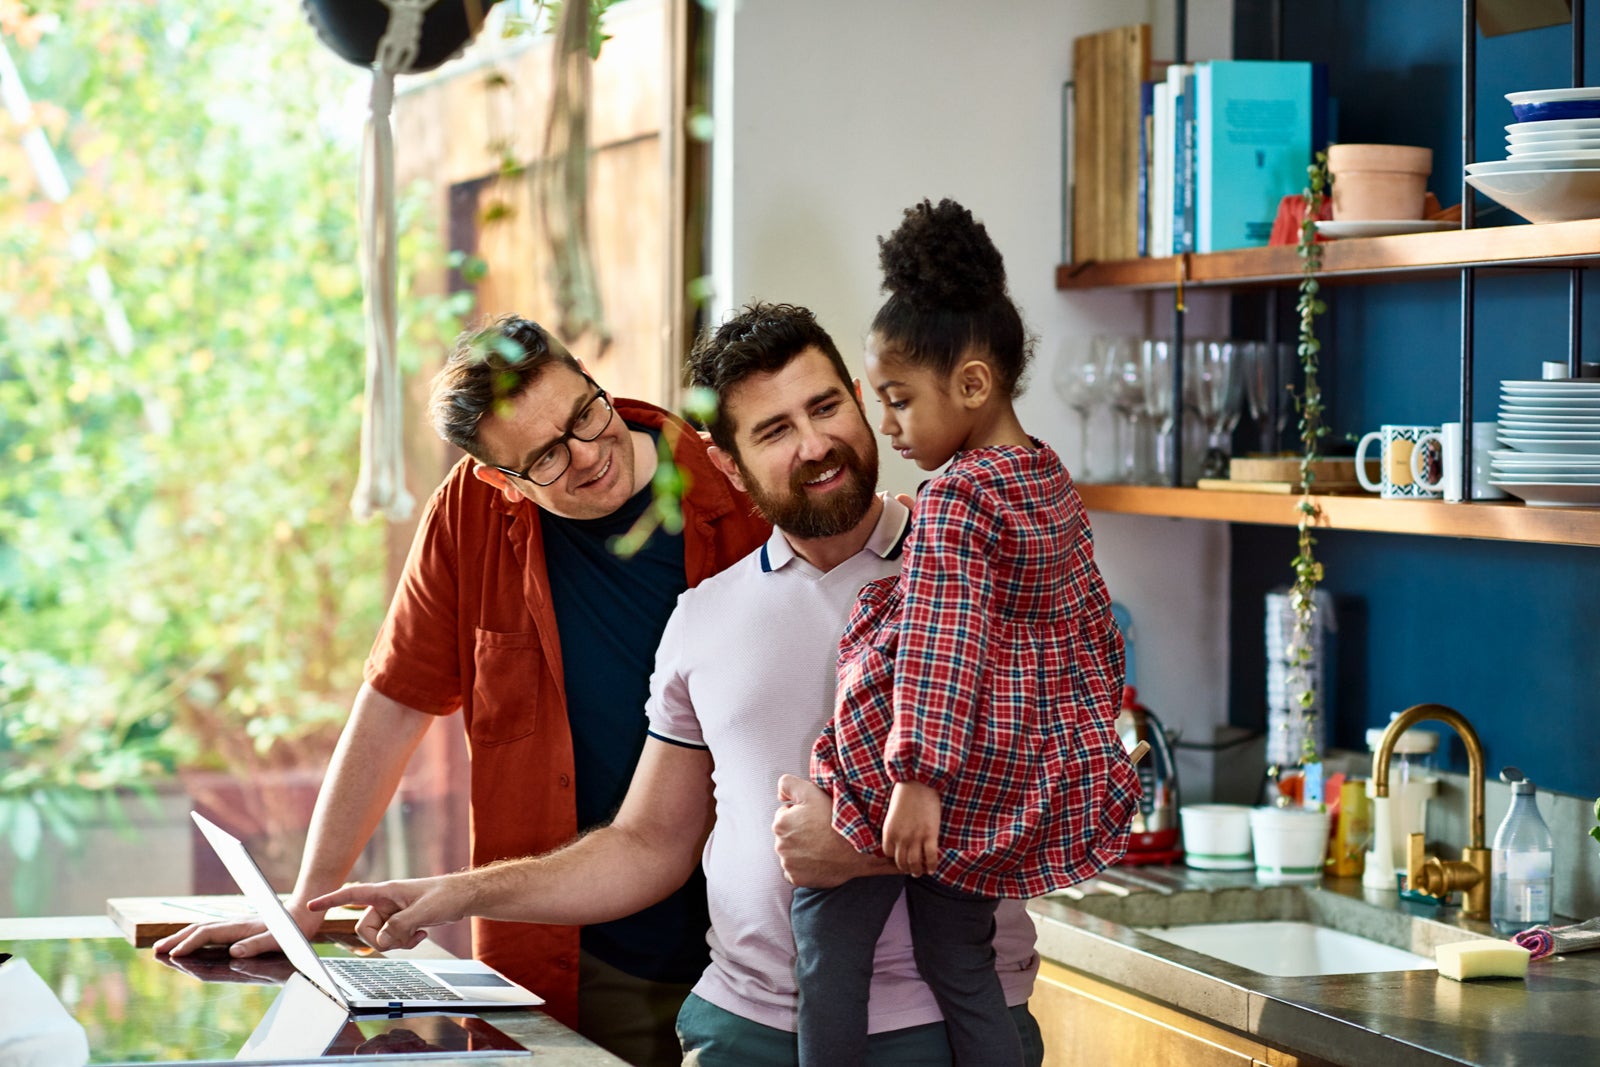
1520 786
1414 742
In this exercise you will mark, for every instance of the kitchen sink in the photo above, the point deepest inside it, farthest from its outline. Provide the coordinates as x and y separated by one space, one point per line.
1290 949
1286 931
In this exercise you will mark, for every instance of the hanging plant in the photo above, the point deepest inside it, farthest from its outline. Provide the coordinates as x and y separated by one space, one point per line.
1308 403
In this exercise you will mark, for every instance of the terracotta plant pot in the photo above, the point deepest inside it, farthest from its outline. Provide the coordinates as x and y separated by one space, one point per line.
1378 181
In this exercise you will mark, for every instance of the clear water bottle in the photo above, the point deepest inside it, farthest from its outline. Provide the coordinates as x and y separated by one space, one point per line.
1524 860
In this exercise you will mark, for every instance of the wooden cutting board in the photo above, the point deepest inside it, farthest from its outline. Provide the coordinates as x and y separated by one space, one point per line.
1235 485
1329 472
145 920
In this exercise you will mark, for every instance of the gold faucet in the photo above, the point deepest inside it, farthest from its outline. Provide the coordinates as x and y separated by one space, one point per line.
1430 875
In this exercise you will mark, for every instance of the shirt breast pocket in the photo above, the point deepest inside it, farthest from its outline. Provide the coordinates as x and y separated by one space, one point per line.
508 674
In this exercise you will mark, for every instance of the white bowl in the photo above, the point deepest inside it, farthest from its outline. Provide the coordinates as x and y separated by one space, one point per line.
1502 166
1551 96
1575 150
1544 195
1548 125
1216 837
1290 843
1528 140
1533 105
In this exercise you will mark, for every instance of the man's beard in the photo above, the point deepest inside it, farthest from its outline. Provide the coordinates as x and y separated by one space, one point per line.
798 514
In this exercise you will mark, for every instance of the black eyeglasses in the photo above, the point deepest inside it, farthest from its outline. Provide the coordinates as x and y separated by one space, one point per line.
552 463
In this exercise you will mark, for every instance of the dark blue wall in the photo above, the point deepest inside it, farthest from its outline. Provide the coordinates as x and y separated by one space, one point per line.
1509 634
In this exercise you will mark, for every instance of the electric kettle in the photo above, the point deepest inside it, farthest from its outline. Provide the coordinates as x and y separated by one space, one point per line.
1154 836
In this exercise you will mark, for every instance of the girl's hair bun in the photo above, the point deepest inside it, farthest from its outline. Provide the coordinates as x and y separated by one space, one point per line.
941 257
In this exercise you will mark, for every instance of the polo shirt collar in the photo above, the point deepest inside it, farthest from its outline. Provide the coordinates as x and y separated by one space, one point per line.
887 539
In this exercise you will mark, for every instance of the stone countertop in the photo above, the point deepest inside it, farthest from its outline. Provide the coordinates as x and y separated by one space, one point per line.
1356 1019
550 1043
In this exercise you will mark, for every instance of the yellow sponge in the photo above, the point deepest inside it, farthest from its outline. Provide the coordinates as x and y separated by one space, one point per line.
1462 960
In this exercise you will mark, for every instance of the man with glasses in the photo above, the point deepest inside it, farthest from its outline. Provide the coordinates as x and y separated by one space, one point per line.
515 609
744 682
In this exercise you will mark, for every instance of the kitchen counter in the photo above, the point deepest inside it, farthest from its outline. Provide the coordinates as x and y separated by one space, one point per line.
1354 1019
139 1007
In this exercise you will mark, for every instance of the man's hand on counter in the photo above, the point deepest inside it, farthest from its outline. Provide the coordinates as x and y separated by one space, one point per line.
242 937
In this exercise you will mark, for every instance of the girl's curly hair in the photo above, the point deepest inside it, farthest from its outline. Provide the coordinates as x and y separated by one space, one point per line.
947 293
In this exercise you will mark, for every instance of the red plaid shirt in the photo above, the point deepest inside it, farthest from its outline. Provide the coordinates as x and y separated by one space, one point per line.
990 670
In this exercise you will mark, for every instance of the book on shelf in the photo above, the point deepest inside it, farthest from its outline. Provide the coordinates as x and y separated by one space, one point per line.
1255 126
1160 179
1180 77
1146 131
1108 68
1067 190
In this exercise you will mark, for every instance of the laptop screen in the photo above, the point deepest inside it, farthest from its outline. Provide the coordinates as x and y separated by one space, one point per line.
256 889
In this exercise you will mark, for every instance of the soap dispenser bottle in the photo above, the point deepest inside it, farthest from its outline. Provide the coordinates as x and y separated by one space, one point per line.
1524 860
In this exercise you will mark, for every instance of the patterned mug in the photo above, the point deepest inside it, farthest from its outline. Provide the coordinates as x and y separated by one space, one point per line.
1397 481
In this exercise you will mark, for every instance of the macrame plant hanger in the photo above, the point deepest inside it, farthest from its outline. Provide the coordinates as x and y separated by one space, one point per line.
381 483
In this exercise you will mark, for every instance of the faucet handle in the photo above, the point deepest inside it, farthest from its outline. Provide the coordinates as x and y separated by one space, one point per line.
1416 860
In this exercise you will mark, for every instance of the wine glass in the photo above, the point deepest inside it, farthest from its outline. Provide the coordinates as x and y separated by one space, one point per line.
1156 357
1268 380
1079 379
1211 368
1124 377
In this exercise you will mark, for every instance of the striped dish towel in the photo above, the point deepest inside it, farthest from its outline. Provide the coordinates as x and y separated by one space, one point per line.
1545 941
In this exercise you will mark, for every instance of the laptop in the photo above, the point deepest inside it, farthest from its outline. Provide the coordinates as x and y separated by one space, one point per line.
365 984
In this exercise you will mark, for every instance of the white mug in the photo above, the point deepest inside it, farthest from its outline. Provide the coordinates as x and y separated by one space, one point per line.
1398 443
1484 437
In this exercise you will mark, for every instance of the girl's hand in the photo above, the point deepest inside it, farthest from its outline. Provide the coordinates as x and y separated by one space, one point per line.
911 831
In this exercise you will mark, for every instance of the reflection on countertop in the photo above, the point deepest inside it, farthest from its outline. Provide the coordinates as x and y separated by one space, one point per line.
1356 1019
140 1007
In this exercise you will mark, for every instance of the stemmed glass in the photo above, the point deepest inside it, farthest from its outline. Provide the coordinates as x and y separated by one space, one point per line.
1156 357
1268 378
1080 380
1124 366
1211 370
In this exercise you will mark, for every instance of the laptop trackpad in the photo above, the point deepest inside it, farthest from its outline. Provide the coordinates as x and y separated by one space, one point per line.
473 978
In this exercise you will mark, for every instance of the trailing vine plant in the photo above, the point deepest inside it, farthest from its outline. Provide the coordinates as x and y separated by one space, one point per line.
1308 402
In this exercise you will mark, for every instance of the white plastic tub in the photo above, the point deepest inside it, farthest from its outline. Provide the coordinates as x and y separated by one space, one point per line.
1216 837
1290 843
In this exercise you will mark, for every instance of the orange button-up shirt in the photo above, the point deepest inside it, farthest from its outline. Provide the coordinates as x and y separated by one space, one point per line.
472 627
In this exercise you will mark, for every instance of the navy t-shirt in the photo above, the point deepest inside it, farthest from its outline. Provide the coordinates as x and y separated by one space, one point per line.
610 613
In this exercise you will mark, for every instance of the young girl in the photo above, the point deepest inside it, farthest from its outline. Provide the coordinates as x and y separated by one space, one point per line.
977 690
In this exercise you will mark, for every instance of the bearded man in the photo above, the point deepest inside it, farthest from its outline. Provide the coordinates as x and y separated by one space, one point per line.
743 683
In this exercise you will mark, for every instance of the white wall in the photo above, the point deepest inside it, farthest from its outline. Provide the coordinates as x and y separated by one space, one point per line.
833 116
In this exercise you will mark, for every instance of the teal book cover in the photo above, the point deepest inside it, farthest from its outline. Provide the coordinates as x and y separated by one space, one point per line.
1256 123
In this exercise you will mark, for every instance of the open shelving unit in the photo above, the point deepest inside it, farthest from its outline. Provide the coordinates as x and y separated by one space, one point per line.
1358 259
1486 520
1367 260
1463 253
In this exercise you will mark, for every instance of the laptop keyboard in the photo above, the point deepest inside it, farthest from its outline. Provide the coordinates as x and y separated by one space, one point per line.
390 980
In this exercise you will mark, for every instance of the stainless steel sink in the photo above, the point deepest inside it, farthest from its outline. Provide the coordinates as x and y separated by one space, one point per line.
1290 949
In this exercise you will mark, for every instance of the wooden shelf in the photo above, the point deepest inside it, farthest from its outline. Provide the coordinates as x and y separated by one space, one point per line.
1353 259
1497 521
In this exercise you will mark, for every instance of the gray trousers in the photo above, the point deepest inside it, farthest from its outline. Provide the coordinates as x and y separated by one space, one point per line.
952 937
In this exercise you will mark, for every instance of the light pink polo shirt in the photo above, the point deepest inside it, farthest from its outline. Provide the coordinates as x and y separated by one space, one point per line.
746 669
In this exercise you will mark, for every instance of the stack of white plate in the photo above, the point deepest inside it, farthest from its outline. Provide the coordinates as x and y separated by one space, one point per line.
1551 431
1551 172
